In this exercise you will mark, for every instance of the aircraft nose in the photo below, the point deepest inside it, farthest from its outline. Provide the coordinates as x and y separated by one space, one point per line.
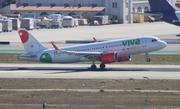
163 44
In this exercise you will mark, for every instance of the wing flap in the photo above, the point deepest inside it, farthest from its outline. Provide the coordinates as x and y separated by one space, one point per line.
86 55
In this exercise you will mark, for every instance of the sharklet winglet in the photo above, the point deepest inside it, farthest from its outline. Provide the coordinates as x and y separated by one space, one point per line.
54 46
94 39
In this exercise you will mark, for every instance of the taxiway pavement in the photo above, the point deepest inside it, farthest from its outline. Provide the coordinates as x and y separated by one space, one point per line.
162 30
107 32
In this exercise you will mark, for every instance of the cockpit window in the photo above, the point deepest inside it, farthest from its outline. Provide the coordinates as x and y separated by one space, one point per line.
154 40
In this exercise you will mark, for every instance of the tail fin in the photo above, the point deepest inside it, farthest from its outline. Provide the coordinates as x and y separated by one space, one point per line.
161 6
31 45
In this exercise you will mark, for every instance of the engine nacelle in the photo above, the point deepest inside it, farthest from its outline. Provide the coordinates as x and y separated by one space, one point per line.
124 58
109 57
113 57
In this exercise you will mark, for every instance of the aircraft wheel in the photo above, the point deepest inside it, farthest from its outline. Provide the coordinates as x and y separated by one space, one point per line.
102 66
148 59
93 67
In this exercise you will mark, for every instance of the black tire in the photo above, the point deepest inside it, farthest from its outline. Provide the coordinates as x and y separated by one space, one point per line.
148 59
93 67
102 66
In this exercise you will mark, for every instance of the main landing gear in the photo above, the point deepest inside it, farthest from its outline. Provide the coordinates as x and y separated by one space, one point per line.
147 58
102 66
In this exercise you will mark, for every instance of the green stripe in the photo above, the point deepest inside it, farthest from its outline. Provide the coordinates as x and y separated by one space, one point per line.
166 52
12 51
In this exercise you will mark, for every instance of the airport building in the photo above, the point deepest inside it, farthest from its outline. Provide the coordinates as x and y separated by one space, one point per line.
118 9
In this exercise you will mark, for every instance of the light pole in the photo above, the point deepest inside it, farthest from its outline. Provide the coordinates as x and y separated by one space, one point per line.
130 11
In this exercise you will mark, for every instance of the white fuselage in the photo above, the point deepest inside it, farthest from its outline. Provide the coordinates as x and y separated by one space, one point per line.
123 47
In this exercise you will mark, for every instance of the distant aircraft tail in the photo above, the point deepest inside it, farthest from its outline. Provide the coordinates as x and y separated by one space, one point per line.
161 6
31 45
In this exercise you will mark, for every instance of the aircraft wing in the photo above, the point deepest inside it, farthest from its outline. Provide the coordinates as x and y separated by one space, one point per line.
87 55
83 53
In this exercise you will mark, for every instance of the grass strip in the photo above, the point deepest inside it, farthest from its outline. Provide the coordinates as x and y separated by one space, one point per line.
136 59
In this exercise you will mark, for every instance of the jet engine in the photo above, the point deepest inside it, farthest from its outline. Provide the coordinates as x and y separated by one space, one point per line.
109 57
113 57
124 58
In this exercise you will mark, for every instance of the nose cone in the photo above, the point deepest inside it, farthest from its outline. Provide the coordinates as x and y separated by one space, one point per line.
163 44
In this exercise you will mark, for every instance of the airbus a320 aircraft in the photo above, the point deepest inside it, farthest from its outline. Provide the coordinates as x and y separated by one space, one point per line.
107 52
163 10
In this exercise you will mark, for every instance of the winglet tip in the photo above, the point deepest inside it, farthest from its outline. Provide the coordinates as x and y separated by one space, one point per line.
55 47
94 39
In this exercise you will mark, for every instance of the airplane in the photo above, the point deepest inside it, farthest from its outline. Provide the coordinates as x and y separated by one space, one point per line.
163 10
119 50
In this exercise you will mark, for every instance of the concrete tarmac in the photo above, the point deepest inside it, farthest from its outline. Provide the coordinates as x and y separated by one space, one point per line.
107 32
162 30
86 90
82 71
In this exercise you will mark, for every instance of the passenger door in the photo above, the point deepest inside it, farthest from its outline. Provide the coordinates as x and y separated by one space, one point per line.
144 44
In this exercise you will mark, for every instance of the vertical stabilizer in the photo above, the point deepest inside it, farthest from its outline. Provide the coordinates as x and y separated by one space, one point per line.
161 6
31 45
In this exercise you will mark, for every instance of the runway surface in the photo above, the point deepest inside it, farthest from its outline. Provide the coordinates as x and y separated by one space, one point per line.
82 71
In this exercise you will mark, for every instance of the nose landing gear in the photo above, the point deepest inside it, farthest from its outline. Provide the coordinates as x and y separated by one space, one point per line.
147 58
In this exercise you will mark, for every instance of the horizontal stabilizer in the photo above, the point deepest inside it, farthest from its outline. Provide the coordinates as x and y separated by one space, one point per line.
25 56
28 55
149 14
